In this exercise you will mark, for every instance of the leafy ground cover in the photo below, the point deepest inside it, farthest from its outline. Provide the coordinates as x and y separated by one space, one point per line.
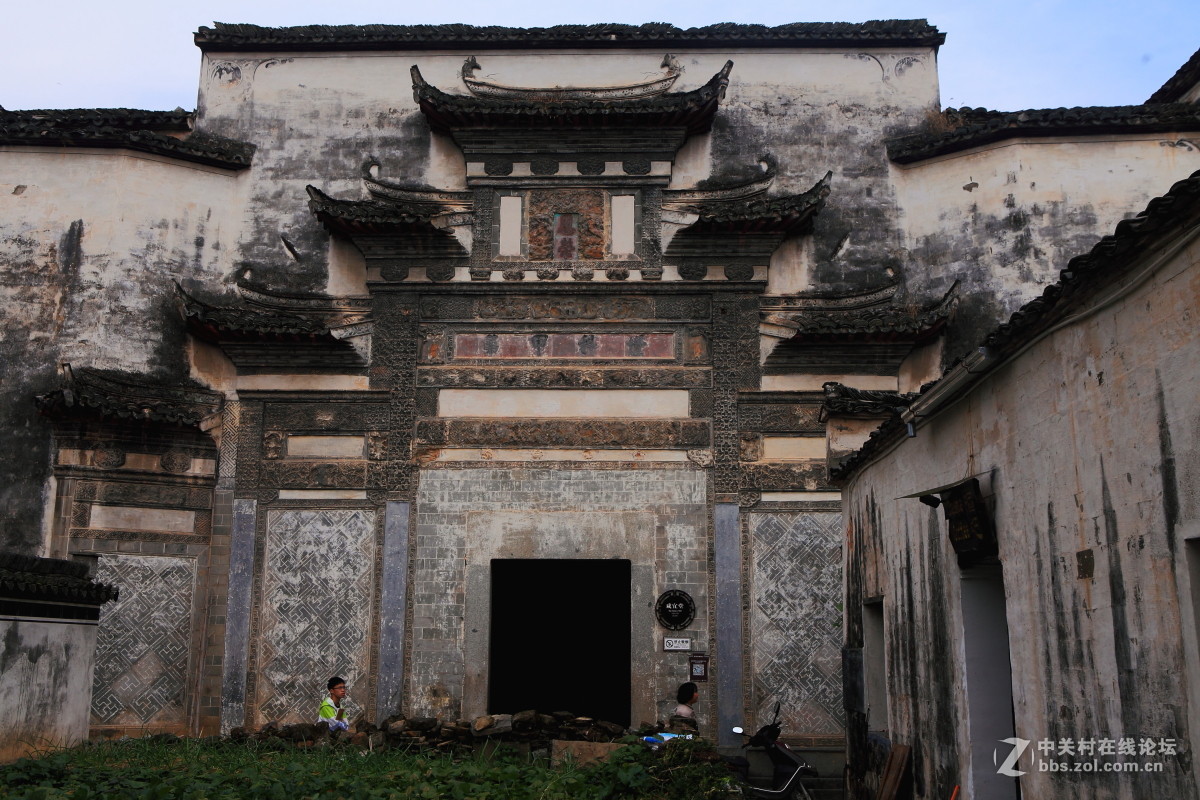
145 769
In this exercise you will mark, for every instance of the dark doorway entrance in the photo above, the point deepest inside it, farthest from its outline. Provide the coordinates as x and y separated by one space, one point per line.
560 637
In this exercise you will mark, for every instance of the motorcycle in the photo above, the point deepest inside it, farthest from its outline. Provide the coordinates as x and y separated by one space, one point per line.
768 759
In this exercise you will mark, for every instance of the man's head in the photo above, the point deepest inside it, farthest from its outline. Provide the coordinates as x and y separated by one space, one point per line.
337 687
688 693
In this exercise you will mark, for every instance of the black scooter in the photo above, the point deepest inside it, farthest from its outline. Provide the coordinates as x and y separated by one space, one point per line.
767 756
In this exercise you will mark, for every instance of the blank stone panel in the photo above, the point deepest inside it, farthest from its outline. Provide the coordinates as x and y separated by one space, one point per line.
316 610
143 643
795 622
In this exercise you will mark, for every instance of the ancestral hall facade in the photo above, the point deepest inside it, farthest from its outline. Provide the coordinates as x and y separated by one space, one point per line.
437 356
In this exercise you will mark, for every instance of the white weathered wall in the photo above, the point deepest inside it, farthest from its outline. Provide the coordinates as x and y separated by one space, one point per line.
45 685
1088 443
1004 218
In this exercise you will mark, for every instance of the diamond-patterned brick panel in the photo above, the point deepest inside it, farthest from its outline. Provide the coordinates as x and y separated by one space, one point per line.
795 620
143 641
316 610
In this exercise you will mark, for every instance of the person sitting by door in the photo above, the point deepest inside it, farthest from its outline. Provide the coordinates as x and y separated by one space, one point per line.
332 713
683 719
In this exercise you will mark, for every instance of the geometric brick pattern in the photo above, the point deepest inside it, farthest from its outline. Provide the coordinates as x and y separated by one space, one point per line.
796 620
143 641
316 612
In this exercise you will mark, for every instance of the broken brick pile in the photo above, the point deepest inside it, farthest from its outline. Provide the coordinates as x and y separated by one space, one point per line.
530 728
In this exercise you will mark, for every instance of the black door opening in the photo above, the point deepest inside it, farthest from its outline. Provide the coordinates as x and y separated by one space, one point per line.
560 637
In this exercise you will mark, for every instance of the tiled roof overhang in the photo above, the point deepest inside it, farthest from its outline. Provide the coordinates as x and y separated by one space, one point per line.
1180 83
130 129
52 580
1165 218
216 323
974 127
690 111
93 392
226 37
371 216
846 401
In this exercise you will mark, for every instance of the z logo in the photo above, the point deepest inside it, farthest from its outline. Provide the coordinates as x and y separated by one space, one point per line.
1007 768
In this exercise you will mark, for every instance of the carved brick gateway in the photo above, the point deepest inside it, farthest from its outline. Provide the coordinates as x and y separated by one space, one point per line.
683 316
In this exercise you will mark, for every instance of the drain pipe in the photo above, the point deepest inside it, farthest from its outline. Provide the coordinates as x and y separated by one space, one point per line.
967 370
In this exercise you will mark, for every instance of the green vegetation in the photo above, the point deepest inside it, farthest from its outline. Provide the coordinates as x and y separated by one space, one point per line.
150 769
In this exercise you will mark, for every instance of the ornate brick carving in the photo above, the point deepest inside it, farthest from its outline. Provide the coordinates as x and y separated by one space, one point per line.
739 272
427 402
700 403
696 348
735 365
498 166
332 416
692 271
145 494
394 352
564 377
683 307
638 165
273 444
434 345
752 446
525 307
544 166
617 272
439 272
249 449
544 204
590 165
806 476
646 434
394 271
315 474
748 498
108 456
782 417
81 515
547 273
701 458
442 307
377 445
583 271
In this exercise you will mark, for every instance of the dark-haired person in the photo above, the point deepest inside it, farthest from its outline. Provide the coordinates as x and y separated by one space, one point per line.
332 713
683 719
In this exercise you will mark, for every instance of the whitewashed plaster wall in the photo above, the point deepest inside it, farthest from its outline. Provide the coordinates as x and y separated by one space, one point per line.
1088 443
316 117
90 242
1004 218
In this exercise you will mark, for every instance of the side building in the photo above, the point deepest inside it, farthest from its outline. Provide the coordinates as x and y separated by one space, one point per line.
1022 573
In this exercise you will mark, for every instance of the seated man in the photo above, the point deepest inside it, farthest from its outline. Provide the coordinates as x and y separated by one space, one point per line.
331 712
683 720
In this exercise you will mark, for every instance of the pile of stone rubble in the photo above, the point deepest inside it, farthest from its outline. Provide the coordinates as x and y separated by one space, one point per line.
529 728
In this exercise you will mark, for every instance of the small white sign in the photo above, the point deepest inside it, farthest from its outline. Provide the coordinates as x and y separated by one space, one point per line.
676 644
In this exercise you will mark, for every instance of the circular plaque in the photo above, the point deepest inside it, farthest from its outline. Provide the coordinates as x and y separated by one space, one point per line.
675 609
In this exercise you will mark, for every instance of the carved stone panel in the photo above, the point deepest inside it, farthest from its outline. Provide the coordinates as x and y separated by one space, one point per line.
795 622
317 604
565 377
652 434
314 474
143 643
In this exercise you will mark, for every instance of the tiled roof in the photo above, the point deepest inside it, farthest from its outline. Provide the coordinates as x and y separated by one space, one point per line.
214 323
144 131
224 37
841 400
971 127
366 214
873 322
50 579
1085 273
763 214
690 110
117 395
1180 83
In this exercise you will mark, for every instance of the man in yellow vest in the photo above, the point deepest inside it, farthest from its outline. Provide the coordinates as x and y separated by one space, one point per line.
332 713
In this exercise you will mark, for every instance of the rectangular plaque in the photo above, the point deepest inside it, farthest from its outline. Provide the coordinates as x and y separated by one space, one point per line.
670 643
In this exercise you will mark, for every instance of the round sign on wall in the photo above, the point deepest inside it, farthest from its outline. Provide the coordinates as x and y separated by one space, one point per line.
675 609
